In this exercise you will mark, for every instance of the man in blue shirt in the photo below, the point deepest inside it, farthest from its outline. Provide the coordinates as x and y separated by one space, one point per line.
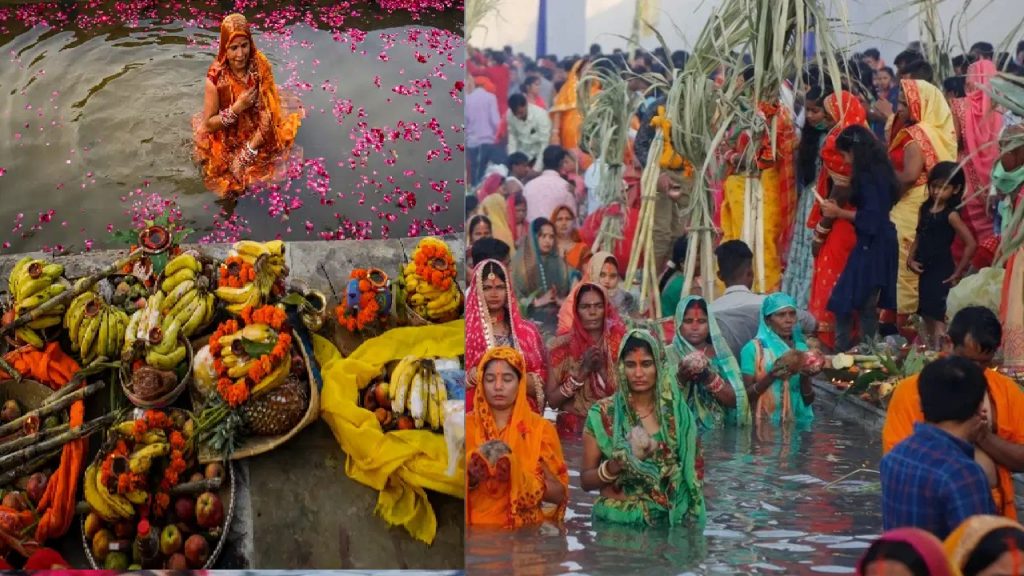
930 480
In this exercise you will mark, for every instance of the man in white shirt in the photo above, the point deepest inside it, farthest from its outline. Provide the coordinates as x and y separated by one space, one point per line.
529 129
548 191
738 310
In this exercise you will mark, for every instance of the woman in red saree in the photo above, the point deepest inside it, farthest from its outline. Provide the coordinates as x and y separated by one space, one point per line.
246 129
833 241
493 319
583 361
978 123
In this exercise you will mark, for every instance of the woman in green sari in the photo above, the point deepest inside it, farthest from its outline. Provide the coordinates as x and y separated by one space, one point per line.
640 445
772 385
715 395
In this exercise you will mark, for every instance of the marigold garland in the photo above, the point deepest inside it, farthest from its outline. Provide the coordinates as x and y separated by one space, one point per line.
369 307
129 482
235 272
424 259
236 392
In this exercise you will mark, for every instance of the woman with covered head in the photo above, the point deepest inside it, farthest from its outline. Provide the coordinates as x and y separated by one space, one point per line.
540 276
515 473
493 319
927 138
583 360
707 371
906 552
246 128
640 448
987 546
602 269
778 384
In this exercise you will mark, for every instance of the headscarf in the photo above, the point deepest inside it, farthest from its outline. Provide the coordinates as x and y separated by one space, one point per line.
666 483
982 122
479 325
934 130
772 346
510 207
591 273
532 442
846 110
494 208
960 545
708 411
535 273
614 328
927 546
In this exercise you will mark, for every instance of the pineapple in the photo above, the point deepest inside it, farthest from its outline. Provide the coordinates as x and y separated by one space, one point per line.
277 411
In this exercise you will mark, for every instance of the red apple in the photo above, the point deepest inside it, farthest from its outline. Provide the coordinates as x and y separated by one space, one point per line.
170 540
197 477
185 509
209 510
36 487
177 562
214 470
15 501
197 551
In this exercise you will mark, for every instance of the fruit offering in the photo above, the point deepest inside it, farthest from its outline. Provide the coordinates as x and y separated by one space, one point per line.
187 298
367 299
155 350
417 392
429 282
252 271
31 283
95 327
252 355
143 509
693 367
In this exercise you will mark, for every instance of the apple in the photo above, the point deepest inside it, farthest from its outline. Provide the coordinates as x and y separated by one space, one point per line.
196 477
15 501
209 510
170 540
214 470
177 562
101 545
124 529
185 509
197 551
36 486
93 524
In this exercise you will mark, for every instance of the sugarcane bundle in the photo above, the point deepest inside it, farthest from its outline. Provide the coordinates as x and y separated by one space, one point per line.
475 12
605 133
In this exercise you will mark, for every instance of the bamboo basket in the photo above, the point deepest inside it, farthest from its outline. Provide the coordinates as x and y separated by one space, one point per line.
28 393
168 398
256 445
226 494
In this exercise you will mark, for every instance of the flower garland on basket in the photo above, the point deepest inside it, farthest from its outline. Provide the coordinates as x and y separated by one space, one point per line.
367 299
428 282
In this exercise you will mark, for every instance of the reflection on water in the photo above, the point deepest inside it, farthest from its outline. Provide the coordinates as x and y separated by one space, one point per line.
95 119
770 510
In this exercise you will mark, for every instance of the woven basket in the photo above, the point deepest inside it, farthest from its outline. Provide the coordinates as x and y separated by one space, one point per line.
259 444
227 496
168 398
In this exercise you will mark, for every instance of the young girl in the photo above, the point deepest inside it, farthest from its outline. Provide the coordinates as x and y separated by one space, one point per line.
931 255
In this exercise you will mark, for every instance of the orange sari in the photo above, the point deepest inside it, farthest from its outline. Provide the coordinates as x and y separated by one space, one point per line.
275 119
534 447
570 118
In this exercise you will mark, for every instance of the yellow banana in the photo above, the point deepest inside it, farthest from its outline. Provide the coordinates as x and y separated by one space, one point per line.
169 339
45 322
53 271
417 398
142 459
138 497
404 383
93 498
31 288
154 436
211 308
29 336
257 333
274 379
130 331
177 294
233 295
40 297
102 336
171 282
166 361
241 369
193 323
15 275
182 261
119 505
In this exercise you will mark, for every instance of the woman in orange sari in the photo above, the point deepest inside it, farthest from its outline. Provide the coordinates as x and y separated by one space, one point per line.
245 130
515 473
566 118
833 241
928 137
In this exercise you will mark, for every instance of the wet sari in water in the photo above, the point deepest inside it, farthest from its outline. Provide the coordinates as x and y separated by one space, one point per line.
534 445
277 118
706 409
665 488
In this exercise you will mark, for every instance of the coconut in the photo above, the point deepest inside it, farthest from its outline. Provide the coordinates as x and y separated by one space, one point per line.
640 442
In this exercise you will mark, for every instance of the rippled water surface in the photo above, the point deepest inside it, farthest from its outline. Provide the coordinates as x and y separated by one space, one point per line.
95 110
771 510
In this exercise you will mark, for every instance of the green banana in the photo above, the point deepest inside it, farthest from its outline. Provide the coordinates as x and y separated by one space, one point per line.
171 282
180 262
166 361
45 322
192 324
15 275
90 329
29 336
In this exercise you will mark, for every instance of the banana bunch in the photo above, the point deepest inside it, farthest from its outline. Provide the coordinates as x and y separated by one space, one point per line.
161 335
239 363
416 389
31 283
110 507
268 260
94 327
186 297
427 300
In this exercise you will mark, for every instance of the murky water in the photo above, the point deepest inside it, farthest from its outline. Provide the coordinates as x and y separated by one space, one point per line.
95 121
771 510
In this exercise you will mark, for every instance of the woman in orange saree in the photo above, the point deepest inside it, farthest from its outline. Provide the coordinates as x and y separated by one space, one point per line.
515 473
245 131
833 240
566 118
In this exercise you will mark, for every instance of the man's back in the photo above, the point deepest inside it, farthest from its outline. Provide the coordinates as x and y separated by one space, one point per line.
931 481
545 193
482 118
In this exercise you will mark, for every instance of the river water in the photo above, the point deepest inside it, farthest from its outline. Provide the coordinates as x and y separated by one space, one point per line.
778 505
95 111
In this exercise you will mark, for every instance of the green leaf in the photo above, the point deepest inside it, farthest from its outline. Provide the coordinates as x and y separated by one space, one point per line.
257 349
294 299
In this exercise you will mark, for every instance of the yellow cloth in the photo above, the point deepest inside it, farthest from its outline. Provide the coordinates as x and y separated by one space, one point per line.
732 224
495 207
401 464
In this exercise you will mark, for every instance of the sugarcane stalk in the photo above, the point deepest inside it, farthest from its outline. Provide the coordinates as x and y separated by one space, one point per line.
10 370
28 467
68 295
95 367
197 487
28 453
18 443
759 247
51 408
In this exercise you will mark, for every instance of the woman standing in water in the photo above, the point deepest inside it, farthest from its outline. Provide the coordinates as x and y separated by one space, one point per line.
640 444
245 130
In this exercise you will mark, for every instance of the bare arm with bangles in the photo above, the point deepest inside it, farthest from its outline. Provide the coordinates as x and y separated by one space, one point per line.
598 474
715 386
562 386
757 387
216 118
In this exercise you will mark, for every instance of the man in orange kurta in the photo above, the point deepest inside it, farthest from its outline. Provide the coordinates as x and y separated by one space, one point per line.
975 334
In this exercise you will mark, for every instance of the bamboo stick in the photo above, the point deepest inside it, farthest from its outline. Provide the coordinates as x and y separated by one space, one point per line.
759 240
95 367
18 443
48 409
28 453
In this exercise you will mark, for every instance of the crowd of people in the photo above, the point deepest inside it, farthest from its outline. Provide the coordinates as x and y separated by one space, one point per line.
879 197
